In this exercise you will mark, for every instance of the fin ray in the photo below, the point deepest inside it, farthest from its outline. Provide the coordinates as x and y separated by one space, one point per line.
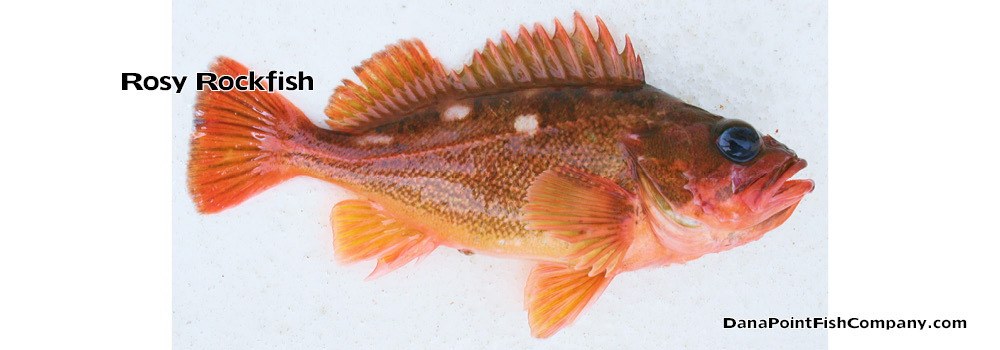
556 294
363 231
237 135
593 213
404 77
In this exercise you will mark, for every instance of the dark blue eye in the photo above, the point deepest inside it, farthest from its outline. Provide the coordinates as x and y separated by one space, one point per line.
738 141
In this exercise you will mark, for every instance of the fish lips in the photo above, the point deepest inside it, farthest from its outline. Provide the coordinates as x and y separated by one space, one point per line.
773 198
772 193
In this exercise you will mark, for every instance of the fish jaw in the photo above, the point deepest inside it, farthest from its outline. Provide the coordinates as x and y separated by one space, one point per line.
777 191
775 199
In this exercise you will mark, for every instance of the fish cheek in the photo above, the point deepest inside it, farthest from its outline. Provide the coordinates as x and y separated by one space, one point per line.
662 153
669 177
723 193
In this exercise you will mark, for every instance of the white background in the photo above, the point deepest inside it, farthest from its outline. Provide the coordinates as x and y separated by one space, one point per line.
86 247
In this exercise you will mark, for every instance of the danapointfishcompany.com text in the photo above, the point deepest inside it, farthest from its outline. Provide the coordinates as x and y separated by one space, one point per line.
840 323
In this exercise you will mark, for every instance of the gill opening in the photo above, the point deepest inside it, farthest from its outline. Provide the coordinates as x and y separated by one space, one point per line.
660 202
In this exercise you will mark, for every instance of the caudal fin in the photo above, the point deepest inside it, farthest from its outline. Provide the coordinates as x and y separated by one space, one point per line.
237 142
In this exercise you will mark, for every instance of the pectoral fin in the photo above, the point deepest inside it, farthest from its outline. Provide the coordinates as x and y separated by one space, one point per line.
593 213
556 294
363 231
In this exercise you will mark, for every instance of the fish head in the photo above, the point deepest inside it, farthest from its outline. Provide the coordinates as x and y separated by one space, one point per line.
709 184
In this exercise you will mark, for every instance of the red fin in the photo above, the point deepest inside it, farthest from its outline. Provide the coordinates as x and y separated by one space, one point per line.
593 213
233 146
405 78
363 231
398 80
556 294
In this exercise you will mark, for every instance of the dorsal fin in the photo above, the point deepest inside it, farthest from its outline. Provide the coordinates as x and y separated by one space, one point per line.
405 78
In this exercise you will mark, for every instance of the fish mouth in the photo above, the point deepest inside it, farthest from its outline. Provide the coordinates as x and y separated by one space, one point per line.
772 194
774 197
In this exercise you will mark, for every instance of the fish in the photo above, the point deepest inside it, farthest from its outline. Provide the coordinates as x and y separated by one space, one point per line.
546 148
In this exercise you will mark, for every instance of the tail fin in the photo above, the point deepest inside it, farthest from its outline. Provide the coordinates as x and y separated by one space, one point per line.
235 148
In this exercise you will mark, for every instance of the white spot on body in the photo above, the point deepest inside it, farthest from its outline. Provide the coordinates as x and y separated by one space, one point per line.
375 140
455 112
526 124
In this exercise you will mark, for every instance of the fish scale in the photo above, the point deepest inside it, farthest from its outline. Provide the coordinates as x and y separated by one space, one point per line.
482 205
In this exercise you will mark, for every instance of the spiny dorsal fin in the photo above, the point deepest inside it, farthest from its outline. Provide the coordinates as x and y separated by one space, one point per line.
405 78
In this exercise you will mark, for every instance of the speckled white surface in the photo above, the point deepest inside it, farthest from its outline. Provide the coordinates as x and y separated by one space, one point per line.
262 275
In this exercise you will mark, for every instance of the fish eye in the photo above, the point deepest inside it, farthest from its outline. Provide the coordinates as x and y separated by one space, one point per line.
737 140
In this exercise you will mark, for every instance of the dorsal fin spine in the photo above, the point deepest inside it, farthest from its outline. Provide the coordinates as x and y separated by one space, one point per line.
512 57
405 78
551 58
638 69
583 41
408 94
480 71
427 82
467 80
526 49
492 58
608 50
442 81
628 57
567 53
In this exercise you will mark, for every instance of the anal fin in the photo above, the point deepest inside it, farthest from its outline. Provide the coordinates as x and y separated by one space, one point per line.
556 294
364 231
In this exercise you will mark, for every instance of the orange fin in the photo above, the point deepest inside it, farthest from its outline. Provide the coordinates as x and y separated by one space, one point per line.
237 135
363 231
397 80
556 294
593 213
405 78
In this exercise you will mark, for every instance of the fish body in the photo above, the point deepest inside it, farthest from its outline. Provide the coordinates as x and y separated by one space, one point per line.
468 178
548 149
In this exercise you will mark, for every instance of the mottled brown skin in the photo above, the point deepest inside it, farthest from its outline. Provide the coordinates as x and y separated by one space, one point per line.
465 180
